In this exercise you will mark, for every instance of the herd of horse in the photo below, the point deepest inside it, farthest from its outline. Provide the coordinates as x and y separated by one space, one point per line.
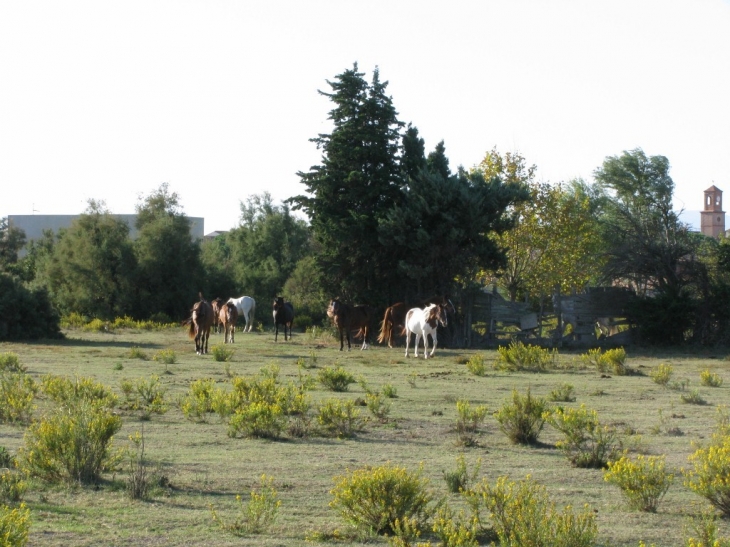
421 320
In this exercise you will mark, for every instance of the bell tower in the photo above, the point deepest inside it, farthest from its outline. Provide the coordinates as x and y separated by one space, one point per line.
713 217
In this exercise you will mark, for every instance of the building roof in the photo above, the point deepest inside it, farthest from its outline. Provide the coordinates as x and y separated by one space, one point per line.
713 188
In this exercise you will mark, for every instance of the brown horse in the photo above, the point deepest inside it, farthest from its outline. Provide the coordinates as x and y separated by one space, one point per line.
216 304
200 320
227 316
348 318
283 315
394 319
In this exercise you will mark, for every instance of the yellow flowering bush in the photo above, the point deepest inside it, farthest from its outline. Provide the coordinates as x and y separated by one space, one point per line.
522 420
586 442
198 402
17 392
257 515
644 482
519 356
62 390
662 374
521 513
339 418
710 475
611 360
12 486
710 379
257 419
145 395
374 498
14 526
468 421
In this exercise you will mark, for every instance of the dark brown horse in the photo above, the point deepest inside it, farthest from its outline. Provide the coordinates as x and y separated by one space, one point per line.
395 316
283 315
227 316
348 318
200 320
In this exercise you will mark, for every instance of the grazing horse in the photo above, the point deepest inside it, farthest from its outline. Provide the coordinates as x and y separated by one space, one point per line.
200 321
246 307
348 318
395 317
422 323
216 304
283 315
228 315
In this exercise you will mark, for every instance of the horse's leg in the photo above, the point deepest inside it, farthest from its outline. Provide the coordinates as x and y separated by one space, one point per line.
276 331
364 339
347 333
425 346
418 341
435 341
408 341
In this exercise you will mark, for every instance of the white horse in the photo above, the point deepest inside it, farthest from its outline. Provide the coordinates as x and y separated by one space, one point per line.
423 322
246 307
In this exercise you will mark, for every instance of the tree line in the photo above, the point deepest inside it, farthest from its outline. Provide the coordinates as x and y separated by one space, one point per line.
387 221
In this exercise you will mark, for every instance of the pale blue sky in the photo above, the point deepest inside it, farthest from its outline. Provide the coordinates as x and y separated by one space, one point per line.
107 100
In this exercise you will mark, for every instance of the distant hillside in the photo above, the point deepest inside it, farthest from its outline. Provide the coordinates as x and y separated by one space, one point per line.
692 218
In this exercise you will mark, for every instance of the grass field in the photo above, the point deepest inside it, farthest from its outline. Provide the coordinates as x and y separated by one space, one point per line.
204 466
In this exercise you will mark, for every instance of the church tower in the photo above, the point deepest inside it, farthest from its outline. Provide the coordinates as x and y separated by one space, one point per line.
713 217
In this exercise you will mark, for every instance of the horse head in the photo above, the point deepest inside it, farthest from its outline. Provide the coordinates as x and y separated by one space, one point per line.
437 315
333 309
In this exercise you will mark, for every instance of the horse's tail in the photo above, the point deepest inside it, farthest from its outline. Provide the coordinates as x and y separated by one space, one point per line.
191 329
385 327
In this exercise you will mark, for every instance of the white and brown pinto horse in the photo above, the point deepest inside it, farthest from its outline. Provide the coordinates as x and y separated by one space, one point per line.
395 317
227 316
423 322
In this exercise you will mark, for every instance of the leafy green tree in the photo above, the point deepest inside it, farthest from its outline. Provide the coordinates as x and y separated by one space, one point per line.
266 247
25 314
91 270
217 260
170 273
304 290
357 182
12 240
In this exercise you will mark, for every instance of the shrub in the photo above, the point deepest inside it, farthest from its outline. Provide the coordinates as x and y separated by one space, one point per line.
453 530
662 374
475 364
73 320
643 482
222 354
12 488
257 419
137 353
389 391
710 379
518 356
377 405
460 479
611 360
138 482
257 515
339 418
335 379
522 420
468 421
562 394
693 397
145 395
62 390
73 443
198 403
9 362
165 356
705 527
710 472
522 514
97 325
6 460
17 392
586 442
14 526
374 498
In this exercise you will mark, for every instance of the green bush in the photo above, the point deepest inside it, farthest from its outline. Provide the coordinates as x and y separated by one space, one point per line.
521 514
17 392
137 353
586 443
693 397
198 402
564 393
709 475
258 419
14 526
335 379
145 395
9 362
522 420
62 390
374 498
460 479
662 374
519 356
72 443
389 391
476 365
468 421
378 405
257 515
222 354
705 528
339 418
609 361
455 530
643 482
165 356
34 317
710 379
12 487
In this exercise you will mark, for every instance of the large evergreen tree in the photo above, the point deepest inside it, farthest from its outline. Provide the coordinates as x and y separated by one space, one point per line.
358 181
